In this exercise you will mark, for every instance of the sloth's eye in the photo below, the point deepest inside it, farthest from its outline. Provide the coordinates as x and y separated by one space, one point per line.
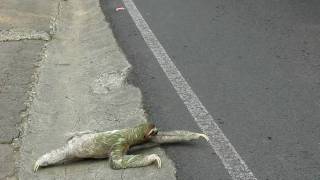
154 132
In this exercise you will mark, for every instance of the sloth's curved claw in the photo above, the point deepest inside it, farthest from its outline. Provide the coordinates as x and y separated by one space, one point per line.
156 159
36 166
158 162
204 136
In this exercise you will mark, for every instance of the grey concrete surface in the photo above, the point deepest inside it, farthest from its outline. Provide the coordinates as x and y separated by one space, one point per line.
7 166
253 64
18 20
17 67
81 85
31 14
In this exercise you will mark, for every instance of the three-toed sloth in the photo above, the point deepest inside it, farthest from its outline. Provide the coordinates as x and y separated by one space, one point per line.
115 144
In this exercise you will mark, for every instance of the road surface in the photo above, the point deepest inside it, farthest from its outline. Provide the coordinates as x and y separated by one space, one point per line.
254 66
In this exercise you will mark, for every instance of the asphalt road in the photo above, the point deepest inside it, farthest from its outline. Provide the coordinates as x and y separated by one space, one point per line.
254 65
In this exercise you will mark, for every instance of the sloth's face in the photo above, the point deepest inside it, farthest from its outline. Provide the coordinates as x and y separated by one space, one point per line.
152 131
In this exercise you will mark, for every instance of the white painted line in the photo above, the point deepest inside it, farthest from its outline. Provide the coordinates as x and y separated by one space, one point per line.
232 161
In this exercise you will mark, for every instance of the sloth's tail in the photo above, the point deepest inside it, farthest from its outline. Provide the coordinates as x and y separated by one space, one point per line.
54 157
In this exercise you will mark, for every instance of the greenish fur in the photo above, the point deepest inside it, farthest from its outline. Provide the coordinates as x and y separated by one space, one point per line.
115 144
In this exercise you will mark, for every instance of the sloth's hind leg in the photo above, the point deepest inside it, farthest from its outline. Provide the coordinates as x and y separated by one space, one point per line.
177 136
54 157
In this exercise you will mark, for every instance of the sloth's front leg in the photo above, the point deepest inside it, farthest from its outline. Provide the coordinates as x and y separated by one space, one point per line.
133 161
177 136
118 159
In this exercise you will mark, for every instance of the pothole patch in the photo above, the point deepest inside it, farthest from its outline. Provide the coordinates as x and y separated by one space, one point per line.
109 81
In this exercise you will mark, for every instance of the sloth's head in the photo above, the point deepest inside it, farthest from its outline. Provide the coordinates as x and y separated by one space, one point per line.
143 132
151 130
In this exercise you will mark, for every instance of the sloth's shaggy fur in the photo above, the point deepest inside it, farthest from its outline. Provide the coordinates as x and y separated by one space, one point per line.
115 144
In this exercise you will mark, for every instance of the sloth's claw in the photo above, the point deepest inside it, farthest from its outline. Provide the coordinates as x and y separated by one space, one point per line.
204 136
36 167
158 162
156 159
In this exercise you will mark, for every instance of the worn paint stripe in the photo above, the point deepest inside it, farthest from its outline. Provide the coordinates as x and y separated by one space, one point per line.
231 160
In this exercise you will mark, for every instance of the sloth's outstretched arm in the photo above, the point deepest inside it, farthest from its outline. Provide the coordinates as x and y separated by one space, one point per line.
177 136
119 160
169 137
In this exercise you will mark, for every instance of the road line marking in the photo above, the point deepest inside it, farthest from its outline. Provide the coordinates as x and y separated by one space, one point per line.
231 160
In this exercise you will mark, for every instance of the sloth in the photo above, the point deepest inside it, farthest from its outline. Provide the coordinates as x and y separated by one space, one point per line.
114 145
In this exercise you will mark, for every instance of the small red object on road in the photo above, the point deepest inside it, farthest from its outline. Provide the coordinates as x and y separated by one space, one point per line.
120 8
